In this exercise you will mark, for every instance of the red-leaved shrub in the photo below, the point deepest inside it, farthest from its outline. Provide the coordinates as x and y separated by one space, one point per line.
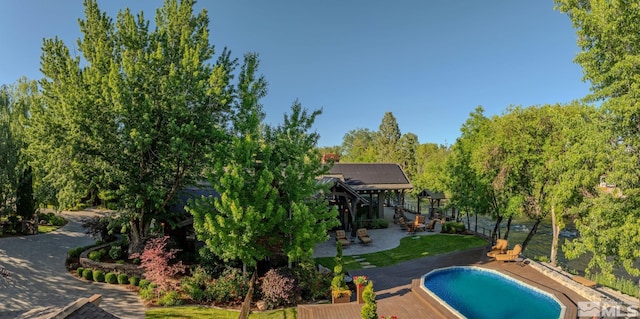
158 263
279 287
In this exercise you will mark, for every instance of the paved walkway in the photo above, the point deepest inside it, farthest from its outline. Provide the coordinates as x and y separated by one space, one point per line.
40 279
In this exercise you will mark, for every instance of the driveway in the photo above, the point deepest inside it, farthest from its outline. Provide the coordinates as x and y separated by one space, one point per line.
39 277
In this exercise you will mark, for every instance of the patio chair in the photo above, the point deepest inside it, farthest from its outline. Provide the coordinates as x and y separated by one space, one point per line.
500 247
419 223
402 222
510 255
432 225
341 236
363 236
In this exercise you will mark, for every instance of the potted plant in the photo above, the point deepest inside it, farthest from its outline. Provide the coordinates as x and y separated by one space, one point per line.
340 293
360 282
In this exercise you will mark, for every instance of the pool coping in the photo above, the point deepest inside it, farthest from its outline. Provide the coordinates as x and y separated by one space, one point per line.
563 307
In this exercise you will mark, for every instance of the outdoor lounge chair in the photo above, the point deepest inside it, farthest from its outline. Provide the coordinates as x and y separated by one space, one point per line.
363 236
403 222
510 255
341 236
432 225
500 247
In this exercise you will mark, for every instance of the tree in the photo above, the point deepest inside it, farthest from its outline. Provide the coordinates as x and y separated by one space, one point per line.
358 146
387 138
266 178
608 36
407 152
370 308
16 187
137 116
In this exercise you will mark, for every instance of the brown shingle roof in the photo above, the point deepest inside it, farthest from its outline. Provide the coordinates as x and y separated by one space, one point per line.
371 176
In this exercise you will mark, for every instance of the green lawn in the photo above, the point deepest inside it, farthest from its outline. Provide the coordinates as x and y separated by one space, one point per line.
412 247
194 312
43 229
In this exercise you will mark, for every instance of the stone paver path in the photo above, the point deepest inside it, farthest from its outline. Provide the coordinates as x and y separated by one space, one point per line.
40 279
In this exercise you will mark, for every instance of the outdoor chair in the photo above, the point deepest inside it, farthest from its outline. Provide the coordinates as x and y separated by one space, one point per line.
341 237
419 223
363 236
510 255
402 222
500 247
432 225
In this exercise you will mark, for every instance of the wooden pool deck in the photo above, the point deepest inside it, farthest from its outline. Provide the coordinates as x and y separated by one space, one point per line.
410 301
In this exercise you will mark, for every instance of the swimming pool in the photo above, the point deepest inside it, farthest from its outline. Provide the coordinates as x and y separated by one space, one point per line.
478 293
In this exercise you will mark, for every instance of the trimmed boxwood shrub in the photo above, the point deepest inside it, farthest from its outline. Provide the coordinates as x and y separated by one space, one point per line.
87 274
111 278
79 271
123 279
97 255
134 281
98 276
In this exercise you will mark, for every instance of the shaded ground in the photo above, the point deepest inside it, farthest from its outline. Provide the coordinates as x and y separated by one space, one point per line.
40 279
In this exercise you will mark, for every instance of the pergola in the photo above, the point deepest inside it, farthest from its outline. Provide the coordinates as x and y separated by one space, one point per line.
346 199
434 199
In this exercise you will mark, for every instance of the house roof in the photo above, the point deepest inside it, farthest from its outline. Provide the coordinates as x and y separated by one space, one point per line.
339 184
79 309
371 176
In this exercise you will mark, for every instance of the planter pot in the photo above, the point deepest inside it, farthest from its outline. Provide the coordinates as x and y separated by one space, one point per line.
359 290
343 298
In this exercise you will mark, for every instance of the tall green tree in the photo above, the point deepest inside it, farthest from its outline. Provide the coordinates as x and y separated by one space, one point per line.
609 39
266 177
16 187
136 114
387 139
407 154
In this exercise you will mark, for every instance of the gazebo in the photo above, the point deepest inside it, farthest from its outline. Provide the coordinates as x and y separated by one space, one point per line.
434 199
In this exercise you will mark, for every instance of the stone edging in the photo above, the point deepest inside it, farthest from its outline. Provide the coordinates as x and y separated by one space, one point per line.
564 279
130 270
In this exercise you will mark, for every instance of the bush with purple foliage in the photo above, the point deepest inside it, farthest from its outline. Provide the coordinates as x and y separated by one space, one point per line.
279 287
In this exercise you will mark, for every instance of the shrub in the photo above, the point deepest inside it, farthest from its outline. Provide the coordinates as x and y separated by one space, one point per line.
312 284
379 223
279 287
79 271
98 276
453 228
148 292
123 279
158 262
370 308
195 285
87 274
232 285
116 252
97 255
134 281
144 283
171 298
111 278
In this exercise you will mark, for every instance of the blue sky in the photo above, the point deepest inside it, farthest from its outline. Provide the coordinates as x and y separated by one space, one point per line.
430 63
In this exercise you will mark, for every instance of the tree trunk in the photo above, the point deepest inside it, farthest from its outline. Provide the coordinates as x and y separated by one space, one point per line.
469 222
555 229
496 228
506 233
477 223
533 231
138 235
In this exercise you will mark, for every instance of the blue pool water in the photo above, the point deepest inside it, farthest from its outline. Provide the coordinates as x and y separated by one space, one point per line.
478 293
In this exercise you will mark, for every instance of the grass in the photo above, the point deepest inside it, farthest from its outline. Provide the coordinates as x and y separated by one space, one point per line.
43 229
411 248
191 312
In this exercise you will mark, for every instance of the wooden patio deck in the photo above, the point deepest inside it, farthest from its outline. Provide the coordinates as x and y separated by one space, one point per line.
410 301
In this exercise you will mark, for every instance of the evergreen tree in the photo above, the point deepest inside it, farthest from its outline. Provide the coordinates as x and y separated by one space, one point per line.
386 139
370 308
